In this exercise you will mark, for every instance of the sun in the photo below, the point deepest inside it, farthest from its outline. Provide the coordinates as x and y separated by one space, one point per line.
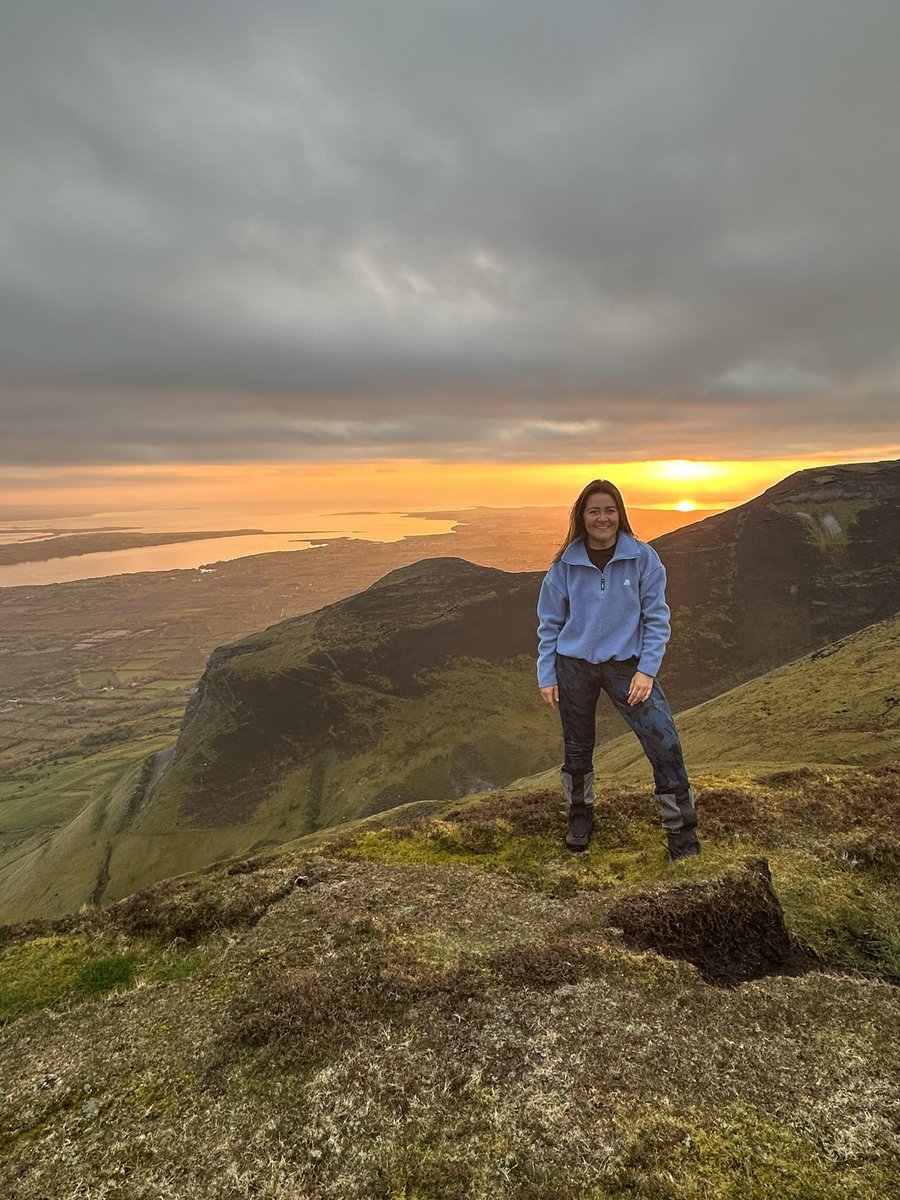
685 470
685 506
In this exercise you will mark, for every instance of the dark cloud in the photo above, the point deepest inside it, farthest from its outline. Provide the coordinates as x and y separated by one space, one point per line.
463 230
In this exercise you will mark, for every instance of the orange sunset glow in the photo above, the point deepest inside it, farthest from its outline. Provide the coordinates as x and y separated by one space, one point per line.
677 484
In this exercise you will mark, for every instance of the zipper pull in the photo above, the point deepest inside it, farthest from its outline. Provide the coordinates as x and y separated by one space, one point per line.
602 582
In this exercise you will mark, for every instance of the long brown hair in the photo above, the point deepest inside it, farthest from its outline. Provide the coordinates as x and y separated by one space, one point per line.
576 516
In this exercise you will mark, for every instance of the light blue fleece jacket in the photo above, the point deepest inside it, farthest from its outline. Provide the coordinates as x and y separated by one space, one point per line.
620 612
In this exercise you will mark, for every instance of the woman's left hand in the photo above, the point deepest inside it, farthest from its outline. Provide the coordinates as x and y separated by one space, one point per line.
641 687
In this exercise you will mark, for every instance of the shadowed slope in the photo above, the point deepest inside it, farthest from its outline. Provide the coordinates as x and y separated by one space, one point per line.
339 682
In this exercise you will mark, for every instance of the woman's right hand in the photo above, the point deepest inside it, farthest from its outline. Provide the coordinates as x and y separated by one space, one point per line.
550 695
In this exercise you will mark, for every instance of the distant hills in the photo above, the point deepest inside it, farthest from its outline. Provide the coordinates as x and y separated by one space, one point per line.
811 560
422 687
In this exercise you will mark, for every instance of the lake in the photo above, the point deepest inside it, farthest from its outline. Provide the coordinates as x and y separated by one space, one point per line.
286 531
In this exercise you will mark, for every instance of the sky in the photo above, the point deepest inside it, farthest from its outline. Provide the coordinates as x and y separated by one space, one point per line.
499 237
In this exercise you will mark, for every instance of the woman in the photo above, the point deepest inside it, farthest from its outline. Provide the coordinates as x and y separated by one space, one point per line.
604 625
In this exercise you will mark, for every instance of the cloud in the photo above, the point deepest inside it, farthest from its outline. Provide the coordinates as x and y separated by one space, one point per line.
282 230
771 379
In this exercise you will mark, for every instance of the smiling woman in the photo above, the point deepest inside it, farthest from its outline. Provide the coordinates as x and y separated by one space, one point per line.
604 625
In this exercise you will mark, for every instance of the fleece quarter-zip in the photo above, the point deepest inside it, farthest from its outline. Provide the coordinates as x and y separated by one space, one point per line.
619 612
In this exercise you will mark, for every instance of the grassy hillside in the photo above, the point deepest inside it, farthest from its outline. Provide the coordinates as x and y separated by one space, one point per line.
117 658
455 1008
472 724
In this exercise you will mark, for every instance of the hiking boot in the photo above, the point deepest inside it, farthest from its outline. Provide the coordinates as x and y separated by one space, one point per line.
683 843
581 826
679 819
578 787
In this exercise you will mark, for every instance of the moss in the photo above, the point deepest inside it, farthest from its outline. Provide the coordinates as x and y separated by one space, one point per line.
621 853
440 1166
54 970
737 1154
40 972
16 1135
148 1099
851 922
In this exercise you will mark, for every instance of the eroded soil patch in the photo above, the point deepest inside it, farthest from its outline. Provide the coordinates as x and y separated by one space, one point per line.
732 929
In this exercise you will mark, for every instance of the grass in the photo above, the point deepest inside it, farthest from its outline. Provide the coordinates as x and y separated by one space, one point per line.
844 914
840 906
393 748
842 709
429 1010
661 1157
742 1156
69 782
425 1015
160 935
54 971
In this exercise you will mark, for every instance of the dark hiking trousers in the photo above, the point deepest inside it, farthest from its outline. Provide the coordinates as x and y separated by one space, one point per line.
580 685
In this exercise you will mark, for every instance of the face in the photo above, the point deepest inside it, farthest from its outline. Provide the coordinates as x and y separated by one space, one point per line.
601 519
